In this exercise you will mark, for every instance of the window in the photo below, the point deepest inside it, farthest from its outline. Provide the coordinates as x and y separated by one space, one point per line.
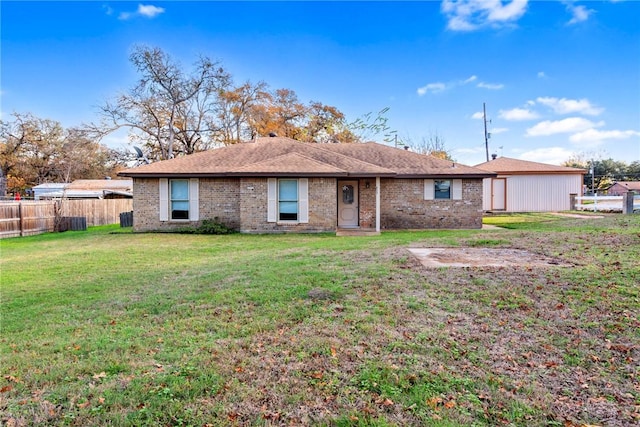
442 189
179 198
288 200
347 194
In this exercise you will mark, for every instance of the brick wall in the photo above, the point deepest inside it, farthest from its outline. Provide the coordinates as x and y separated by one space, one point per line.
218 198
402 206
145 204
322 208
238 203
242 205
367 201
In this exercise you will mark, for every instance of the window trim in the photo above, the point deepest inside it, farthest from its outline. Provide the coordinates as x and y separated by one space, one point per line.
273 205
442 195
455 189
296 200
165 202
172 200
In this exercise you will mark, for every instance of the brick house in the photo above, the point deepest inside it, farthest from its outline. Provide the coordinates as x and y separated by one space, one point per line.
276 184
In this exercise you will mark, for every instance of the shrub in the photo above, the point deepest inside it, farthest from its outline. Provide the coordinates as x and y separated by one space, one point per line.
208 226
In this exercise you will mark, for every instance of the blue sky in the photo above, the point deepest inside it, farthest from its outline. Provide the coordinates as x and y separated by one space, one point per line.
558 77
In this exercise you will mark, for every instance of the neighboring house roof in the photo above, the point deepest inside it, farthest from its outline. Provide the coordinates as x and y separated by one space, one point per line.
629 185
285 156
507 165
101 184
51 186
86 189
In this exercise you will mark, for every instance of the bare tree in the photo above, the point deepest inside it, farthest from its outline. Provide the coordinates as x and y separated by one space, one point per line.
432 145
168 105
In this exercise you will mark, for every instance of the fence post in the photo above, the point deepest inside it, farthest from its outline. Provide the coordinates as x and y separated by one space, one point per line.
21 221
572 201
627 202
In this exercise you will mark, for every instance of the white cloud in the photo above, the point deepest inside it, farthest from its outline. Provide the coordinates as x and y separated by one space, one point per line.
438 87
149 11
518 114
470 79
478 115
550 155
441 87
491 86
568 125
591 136
578 13
432 87
146 10
568 106
496 131
469 15
541 75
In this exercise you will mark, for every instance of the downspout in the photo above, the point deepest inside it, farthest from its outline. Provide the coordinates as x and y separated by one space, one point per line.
377 204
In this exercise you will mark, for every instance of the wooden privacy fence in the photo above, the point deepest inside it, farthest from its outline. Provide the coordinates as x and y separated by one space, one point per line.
26 218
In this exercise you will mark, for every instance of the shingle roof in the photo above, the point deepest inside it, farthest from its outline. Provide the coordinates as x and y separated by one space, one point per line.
630 185
101 184
506 165
282 156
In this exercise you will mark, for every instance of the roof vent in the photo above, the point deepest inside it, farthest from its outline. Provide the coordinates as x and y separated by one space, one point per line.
272 134
494 156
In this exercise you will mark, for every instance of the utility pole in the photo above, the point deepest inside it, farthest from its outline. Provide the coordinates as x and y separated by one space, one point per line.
486 135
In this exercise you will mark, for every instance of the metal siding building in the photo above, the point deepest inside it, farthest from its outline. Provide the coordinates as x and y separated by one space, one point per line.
523 186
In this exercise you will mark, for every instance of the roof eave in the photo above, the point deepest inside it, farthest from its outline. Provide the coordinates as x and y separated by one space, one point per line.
542 172
448 176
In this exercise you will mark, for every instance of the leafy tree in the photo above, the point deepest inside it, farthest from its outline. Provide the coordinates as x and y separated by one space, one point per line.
35 150
633 171
234 111
31 148
326 124
368 127
281 113
601 173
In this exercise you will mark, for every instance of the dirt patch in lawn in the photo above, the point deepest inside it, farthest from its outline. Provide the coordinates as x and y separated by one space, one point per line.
482 257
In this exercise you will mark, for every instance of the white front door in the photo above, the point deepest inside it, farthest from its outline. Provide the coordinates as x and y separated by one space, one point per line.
348 204
498 194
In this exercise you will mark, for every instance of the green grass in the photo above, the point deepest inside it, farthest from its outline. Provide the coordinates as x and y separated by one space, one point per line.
108 327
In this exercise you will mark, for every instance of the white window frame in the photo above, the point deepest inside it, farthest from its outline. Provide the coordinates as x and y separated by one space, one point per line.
273 201
172 202
455 192
164 198
281 201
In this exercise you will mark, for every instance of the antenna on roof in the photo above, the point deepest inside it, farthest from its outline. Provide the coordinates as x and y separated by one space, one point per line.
141 157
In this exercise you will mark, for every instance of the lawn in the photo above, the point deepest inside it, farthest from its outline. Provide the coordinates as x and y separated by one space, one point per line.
112 328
